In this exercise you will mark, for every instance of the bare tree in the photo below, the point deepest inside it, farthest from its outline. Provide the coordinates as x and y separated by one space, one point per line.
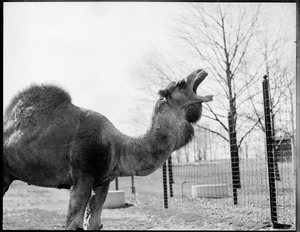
220 36
278 67
223 38
151 74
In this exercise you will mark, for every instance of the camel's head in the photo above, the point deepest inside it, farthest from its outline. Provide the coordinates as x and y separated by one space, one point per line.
182 96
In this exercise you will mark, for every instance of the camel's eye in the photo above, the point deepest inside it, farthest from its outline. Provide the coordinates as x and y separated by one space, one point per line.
181 84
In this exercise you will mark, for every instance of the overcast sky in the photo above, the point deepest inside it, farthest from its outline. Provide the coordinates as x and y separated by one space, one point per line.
88 48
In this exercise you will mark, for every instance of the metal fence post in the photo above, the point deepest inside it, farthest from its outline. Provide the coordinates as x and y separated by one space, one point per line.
165 185
270 155
171 180
132 185
235 171
117 183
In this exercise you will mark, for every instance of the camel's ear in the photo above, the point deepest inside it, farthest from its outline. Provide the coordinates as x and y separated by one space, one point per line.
168 90
163 93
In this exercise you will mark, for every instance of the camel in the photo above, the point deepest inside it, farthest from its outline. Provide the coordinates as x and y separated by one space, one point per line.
49 142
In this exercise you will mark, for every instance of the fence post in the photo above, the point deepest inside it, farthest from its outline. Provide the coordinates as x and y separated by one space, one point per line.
117 183
171 181
132 185
270 155
165 185
235 171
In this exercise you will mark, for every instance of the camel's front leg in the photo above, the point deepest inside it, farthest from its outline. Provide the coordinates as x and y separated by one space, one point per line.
94 208
80 194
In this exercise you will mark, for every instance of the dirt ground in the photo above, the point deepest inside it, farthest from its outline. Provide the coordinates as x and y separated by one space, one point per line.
29 207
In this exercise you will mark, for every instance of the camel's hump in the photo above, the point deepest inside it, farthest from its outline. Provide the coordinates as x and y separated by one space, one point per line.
46 94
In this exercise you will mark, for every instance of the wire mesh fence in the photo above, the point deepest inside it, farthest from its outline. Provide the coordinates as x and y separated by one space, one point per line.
137 186
212 178
215 180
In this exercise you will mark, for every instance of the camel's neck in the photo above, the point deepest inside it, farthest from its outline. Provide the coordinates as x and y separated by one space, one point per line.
143 155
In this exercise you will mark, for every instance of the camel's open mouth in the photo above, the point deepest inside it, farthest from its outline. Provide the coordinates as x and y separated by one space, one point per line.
201 74
196 79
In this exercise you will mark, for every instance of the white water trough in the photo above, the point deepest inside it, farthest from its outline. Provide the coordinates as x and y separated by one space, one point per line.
115 199
210 190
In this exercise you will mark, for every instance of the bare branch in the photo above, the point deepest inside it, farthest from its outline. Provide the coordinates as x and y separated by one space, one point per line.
212 131
248 132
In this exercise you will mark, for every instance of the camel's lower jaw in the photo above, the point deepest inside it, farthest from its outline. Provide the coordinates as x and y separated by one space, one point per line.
195 99
207 98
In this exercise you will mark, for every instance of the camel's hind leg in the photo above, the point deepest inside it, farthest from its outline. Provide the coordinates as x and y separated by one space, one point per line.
94 208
